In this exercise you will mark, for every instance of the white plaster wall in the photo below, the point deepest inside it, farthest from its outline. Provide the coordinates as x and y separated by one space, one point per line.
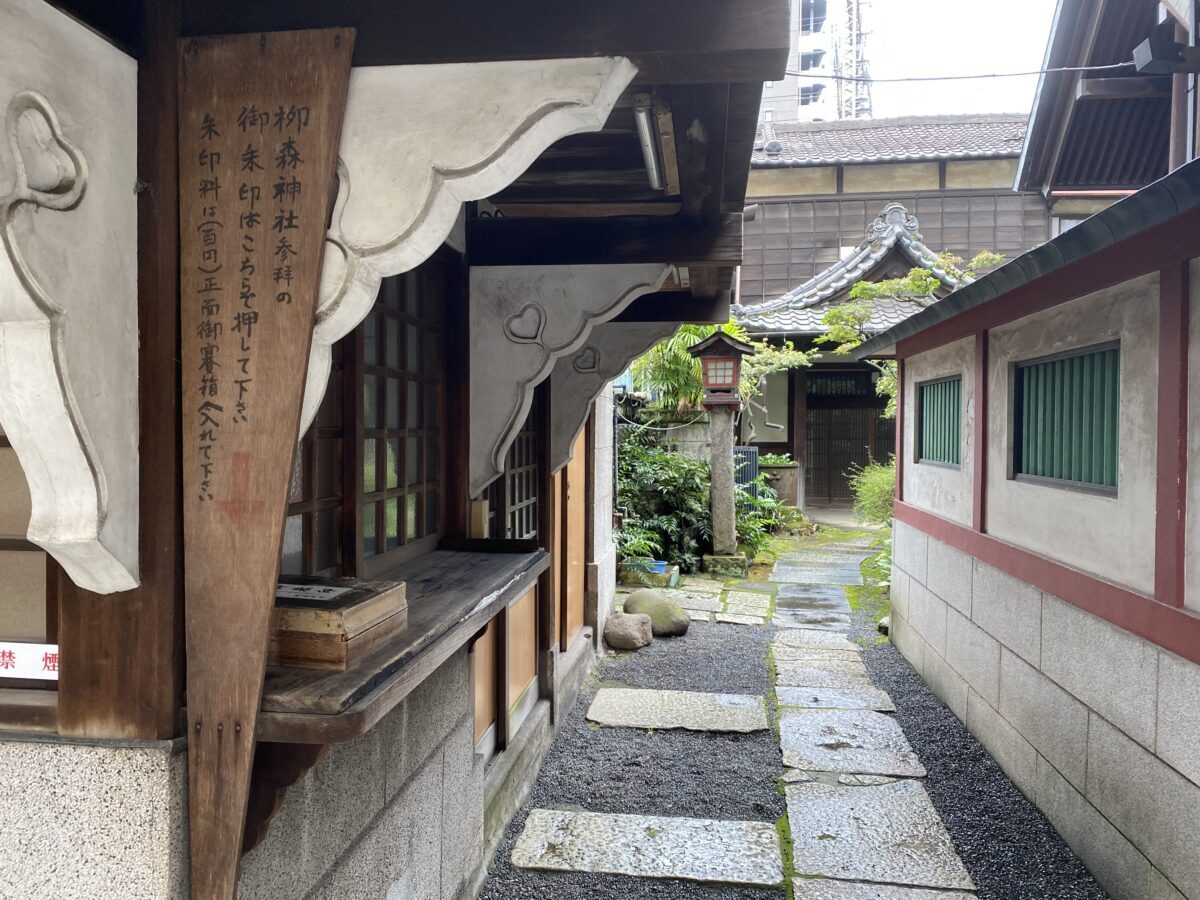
602 570
775 399
1111 537
1098 727
944 490
1192 561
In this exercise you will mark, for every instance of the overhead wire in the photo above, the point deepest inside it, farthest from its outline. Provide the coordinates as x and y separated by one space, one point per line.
870 80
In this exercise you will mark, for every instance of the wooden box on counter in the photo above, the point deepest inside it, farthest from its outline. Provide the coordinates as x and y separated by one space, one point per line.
328 623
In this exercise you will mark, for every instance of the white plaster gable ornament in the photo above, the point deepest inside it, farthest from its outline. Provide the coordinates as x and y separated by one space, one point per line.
419 141
578 380
561 305
38 406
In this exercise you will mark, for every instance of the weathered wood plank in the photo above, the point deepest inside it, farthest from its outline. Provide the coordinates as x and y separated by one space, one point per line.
444 590
28 710
260 121
122 673
670 41
642 239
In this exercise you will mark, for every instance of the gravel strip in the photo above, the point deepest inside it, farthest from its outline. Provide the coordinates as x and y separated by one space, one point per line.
672 773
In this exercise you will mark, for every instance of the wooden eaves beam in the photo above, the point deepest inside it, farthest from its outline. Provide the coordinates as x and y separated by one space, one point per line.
670 41
678 306
1136 87
610 240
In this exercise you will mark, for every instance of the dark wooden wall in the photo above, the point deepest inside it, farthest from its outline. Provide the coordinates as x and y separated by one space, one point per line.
791 240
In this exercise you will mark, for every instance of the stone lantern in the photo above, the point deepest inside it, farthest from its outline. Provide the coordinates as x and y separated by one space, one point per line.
720 367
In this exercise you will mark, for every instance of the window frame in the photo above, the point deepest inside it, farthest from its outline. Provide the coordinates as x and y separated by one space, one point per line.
919 421
1014 425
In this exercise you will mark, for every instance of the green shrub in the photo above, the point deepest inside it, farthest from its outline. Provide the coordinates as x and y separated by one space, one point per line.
757 517
874 488
775 459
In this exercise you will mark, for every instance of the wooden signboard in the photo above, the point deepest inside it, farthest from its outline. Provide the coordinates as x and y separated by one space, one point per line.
260 120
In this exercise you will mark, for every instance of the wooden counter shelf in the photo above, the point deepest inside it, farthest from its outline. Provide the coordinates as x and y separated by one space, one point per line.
452 594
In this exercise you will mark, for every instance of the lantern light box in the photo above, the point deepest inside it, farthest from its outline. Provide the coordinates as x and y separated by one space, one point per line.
720 368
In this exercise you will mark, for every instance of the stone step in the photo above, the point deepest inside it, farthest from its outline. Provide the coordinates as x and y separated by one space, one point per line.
834 698
692 711
858 741
826 889
888 833
650 847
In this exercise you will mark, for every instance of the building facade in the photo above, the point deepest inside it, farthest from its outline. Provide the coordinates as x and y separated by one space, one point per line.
848 201
467 243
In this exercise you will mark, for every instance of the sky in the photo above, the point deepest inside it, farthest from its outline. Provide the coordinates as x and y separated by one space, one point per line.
955 37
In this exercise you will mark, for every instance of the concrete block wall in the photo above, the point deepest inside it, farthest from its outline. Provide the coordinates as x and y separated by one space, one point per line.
397 812
93 819
1098 727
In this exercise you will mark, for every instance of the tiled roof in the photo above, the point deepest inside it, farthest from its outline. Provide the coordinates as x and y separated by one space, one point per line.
795 144
800 310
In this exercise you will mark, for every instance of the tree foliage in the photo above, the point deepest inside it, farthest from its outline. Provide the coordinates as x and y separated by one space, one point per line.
846 323
668 370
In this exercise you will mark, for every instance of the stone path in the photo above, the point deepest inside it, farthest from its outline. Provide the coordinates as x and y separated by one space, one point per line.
860 824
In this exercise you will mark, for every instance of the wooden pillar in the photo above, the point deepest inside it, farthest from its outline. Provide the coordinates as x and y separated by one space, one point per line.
1178 147
799 430
122 654
1170 544
979 426
900 412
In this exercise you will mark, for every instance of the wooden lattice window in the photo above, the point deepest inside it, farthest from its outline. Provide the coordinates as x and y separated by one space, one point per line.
939 421
513 497
1066 411
312 534
401 352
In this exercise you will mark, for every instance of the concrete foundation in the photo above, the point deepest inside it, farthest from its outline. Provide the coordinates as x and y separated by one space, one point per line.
1095 725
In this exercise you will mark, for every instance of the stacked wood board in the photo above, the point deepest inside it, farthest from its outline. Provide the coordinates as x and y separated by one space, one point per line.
329 623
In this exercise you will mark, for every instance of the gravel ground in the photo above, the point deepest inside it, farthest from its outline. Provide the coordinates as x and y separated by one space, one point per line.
671 773
1008 846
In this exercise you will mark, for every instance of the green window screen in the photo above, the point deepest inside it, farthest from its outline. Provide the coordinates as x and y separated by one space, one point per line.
1066 417
941 421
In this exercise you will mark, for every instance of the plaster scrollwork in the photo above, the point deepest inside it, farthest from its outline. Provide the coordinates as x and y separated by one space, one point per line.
419 141
40 405
578 380
571 301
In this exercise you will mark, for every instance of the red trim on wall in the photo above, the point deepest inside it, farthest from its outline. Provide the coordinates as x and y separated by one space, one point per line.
1171 513
1170 627
980 426
899 429
1154 249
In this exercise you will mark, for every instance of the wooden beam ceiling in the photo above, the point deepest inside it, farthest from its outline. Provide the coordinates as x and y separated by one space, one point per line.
670 41
613 240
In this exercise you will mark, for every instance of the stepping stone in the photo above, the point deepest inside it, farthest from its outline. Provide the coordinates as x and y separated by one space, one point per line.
834 698
795 776
637 708
812 596
822 640
650 847
799 675
889 833
703 586
820 619
741 609
735 619
697 615
823 889
831 660
749 598
864 780
859 742
703 602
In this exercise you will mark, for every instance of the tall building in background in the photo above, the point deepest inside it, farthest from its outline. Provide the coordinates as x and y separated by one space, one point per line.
828 40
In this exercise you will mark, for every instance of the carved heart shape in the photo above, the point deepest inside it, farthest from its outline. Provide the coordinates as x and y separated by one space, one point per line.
587 361
48 167
526 326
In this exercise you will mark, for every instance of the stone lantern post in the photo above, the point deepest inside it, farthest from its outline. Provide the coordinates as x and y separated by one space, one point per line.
720 366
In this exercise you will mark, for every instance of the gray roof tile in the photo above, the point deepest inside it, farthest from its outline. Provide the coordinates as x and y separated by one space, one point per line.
796 144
